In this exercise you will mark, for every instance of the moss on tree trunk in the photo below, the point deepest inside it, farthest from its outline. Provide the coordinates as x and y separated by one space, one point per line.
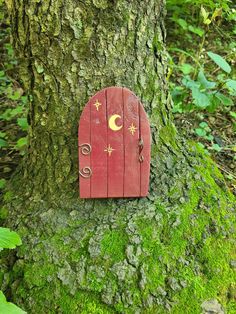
169 251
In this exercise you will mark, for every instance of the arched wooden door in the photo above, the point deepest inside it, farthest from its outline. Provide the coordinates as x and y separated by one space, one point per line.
114 146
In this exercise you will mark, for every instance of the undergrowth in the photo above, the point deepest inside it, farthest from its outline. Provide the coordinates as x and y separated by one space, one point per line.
13 103
202 49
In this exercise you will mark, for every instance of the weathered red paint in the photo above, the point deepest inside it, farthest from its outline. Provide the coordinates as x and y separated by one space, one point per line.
115 126
98 140
116 140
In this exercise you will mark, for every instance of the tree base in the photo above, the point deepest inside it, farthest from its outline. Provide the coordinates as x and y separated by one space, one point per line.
172 252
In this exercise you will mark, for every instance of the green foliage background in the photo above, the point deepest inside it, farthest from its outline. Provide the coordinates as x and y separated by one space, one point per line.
201 39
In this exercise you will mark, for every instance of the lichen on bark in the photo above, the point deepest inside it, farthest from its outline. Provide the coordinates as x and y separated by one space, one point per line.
169 251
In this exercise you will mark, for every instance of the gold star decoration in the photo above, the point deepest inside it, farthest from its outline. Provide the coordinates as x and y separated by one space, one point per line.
97 105
132 129
109 150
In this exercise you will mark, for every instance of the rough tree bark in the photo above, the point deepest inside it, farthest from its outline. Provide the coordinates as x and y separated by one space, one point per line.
169 251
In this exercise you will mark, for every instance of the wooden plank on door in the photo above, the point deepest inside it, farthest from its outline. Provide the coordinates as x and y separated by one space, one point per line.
99 142
131 148
145 135
84 148
115 146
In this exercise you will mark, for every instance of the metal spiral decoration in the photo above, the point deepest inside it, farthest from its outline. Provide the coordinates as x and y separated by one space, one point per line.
141 144
85 148
141 158
86 172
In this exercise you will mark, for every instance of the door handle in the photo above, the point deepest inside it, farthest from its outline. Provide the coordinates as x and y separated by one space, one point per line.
140 145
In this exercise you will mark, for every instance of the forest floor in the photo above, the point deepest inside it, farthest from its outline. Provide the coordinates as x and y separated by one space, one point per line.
188 41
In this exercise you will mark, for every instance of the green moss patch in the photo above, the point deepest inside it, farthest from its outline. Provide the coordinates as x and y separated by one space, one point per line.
113 244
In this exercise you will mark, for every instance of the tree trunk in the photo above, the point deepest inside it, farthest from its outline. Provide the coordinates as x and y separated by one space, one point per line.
169 251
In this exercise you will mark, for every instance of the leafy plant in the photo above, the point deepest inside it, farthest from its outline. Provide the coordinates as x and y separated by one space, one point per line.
13 103
202 87
220 61
202 93
204 131
8 307
8 239
202 79
200 90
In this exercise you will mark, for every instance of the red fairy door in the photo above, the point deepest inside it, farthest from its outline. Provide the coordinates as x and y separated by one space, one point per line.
114 146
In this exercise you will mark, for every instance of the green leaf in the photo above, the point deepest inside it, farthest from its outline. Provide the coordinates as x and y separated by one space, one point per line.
209 137
177 108
2 183
215 102
204 82
200 132
182 23
6 115
17 110
207 21
196 30
3 143
231 84
8 307
203 125
204 13
189 83
177 90
201 100
233 114
21 142
226 101
15 96
9 239
22 122
186 68
216 147
217 12
24 100
219 61
11 113
3 134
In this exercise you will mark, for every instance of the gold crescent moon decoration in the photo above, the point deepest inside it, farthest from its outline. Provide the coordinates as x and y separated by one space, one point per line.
112 122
